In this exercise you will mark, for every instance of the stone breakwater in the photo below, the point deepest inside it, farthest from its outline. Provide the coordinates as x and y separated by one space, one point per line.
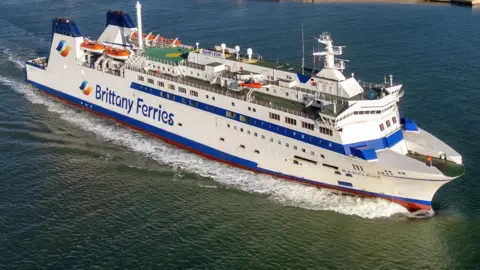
457 2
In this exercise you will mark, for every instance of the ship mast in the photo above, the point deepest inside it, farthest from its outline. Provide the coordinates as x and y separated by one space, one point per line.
303 53
139 26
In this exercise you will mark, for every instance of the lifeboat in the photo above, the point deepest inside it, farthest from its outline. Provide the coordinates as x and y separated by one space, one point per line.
119 54
251 84
92 46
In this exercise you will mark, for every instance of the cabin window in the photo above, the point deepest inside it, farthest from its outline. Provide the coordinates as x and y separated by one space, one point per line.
362 112
222 139
193 103
243 118
326 131
171 87
382 128
378 112
194 93
274 116
307 125
287 145
249 108
241 129
388 123
184 101
150 81
140 78
271 139
303 150
161 84
213 98
182 90
355 112
263 137
257 152
254 110
394 120
322 156
230 114
294 147
290 121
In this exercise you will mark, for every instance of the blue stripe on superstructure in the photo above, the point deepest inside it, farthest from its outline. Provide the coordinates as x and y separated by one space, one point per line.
201 147
344 149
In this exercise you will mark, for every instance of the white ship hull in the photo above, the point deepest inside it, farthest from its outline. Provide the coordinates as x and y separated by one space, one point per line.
202 132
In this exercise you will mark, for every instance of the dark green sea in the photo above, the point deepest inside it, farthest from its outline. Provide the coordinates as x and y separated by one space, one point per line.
81 192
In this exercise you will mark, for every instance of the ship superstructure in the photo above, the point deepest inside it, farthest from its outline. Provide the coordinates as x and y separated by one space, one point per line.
314 126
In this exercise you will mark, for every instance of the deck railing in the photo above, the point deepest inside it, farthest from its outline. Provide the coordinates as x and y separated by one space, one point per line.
221 91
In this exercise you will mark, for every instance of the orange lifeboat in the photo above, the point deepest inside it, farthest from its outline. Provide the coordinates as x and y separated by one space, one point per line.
119 54
92 46
251 84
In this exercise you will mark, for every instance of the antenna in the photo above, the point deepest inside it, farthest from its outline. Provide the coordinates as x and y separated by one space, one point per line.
303 52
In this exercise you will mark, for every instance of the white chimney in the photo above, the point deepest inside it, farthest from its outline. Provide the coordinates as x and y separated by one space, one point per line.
223 46
237 50
249 53
197 44
391 80
139 25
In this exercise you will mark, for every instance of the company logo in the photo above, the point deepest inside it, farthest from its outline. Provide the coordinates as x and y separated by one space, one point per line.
61 50
86 90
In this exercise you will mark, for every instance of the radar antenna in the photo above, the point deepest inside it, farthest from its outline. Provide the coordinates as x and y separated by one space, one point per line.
330 52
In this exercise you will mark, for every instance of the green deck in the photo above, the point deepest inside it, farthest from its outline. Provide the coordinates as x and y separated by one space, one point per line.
169 54
448 168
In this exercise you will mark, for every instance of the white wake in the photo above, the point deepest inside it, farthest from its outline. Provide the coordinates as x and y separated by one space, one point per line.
280 191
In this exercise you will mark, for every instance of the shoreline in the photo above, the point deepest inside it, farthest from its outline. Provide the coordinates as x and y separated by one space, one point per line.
470 3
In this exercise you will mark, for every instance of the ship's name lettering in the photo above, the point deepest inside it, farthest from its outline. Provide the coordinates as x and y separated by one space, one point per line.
153 112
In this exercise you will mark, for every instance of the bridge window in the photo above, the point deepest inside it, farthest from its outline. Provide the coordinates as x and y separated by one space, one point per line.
194 93
161 84
150 81
140 78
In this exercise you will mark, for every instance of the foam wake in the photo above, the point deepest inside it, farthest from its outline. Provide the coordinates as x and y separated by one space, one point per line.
281 191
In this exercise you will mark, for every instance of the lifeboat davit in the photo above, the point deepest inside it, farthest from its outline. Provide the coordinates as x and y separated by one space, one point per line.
119 54
92 46
251 84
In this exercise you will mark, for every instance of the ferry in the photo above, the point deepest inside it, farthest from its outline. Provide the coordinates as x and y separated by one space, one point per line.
315 126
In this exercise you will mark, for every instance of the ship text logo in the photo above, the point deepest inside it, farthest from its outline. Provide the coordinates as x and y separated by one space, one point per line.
138 106
86 89
62 49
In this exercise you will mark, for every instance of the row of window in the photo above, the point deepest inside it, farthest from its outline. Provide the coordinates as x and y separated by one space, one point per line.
292 121
326 131
233 115
394 120
366 112
255 134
